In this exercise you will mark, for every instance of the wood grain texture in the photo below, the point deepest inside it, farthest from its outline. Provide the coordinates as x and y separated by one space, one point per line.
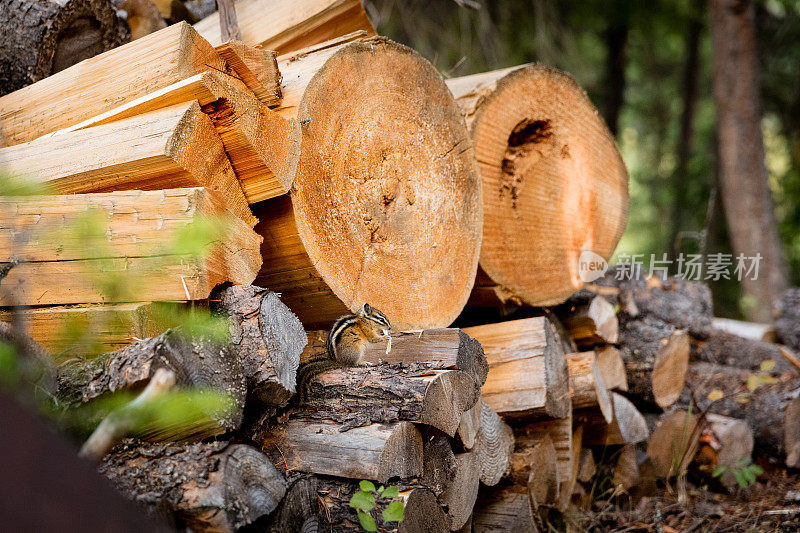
105 81
172 147
503 511
377 451
382 211
256 67
587 384
62 263
528 373
494 445
554 182
285 25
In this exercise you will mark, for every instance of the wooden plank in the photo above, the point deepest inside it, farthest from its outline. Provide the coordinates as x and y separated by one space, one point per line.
286 25
105 81
137 244
172 147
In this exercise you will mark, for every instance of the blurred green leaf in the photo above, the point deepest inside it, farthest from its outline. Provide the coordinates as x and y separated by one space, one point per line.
393 512
391 492
362 500
366 486
367 522
9 365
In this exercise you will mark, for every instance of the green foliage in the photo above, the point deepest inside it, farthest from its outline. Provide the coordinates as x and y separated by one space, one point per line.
9 365
745 472
368 498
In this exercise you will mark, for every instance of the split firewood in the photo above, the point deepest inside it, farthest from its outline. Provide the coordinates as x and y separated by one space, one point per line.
142 228
727 444
429 206
587 384
85 90
769 404
385 393
560 431
297 510
286 26
210 487
173 147
256 67
586 466
503 511
725 348
656 358
494 445
531 121
628 426
197 363
268 338
612 368
377 451
421 511
748 330
626 470
469 425
590 324
44 37
435 349
674 442
787 323
460 496
438 463
534 465
528 370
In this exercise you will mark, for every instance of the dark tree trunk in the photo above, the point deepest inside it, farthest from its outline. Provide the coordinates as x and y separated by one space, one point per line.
680 179
745 191
617 43
42 37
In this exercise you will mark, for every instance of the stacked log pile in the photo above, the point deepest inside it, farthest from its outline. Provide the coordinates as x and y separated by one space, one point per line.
348 172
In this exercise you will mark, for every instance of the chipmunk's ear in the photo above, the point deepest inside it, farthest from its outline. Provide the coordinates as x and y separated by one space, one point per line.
366 310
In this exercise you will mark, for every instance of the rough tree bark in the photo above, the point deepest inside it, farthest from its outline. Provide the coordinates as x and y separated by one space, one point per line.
41 37
749 208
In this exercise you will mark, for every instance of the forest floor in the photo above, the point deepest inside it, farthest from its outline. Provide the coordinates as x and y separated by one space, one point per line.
771 504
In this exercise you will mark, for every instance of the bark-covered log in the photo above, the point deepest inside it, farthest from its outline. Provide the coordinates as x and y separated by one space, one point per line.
422 511
788 321
41 37
216 486
772 409
406 188
378 452
656 358
725 348
494 444
725 443
587 384
590 324
628 426
503 510
528 370
437 349
385 393
268 339
533 127
197 363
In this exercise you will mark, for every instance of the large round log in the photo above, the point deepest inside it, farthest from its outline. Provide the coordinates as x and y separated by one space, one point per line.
554 184
41 37
386 204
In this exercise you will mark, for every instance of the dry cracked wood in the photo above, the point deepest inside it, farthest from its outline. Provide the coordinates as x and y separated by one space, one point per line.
494 445
460 496
285 25
388 393
210 487
535 131
587 384
256 67
528 371
172 147
377 208
106 81
137 236
378 451
503 511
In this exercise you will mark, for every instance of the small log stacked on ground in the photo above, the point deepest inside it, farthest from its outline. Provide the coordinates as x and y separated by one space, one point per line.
208 487
788 320
528 373
47 37
769 404
47 235
532 127
407 188
286 26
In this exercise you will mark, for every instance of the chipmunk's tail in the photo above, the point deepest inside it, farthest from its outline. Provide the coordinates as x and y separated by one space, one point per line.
311 369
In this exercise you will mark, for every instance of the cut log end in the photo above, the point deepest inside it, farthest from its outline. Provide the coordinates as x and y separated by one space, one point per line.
531 148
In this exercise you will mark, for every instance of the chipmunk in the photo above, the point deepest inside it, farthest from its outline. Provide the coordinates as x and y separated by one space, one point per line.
347 342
